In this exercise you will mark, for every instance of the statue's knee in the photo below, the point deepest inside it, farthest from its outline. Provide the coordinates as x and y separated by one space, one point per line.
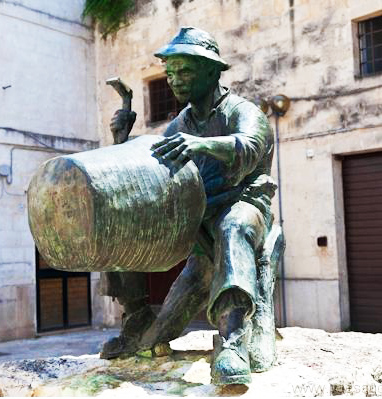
230 227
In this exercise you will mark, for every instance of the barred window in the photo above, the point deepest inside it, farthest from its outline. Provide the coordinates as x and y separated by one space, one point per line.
163 104
370 46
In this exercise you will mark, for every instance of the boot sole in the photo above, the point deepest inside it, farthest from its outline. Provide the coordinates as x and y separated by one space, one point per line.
108 357
115 355
232 379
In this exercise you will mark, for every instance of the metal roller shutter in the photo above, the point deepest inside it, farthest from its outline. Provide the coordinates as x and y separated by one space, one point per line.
362 181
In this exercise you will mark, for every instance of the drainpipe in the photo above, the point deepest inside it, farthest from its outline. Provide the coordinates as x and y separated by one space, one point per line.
280 105
281 220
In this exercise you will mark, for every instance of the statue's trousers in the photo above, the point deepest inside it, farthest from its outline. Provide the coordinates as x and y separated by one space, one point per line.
238 233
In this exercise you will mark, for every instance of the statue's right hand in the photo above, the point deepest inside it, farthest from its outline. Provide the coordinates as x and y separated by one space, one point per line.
121 125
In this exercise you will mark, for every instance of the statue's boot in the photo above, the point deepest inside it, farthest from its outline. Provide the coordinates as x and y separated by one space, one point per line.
231 363
134 324
187 297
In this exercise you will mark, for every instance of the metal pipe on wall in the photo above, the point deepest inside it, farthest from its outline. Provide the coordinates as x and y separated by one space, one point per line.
281 220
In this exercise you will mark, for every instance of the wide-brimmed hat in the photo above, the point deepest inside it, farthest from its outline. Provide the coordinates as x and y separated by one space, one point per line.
193 41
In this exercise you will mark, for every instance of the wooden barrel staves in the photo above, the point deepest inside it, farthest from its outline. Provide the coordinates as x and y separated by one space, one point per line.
116 208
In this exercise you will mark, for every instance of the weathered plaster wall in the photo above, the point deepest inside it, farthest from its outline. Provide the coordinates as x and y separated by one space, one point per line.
47 96
305 50
48 60
17 253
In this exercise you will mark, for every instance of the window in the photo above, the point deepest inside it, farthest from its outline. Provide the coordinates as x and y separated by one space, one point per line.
163 104
370 46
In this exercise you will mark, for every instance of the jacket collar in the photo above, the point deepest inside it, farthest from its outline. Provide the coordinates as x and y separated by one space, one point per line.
221 94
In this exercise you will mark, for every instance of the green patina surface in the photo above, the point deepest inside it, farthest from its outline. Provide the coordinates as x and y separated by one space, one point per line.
115 209
91 385
208 180
166 374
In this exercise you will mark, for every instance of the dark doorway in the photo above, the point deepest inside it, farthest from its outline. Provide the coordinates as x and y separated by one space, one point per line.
159 283
362 182
63 298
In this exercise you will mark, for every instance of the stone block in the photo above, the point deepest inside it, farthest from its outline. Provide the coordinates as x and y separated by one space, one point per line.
16 273
313 304
17 312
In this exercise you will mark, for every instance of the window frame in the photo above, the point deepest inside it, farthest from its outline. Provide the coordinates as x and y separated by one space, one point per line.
358 74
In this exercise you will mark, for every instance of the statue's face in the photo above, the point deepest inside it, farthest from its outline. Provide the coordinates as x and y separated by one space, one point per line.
188 80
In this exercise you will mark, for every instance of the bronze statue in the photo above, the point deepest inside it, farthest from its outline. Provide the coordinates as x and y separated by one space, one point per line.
203 191
231 269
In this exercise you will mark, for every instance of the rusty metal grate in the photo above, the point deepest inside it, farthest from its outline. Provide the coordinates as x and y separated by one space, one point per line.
163 104
370 46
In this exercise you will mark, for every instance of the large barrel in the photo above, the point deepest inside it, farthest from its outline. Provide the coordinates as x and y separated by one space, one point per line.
116 208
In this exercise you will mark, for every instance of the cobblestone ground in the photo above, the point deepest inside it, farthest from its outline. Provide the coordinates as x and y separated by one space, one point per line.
310 363
71 343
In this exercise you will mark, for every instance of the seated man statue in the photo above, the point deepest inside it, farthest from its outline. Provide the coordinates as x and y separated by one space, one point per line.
231 142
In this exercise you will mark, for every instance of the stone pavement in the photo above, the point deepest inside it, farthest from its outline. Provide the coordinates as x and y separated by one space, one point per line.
72 342
69 343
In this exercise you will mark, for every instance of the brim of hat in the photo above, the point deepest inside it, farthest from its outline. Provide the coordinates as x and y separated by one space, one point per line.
190 49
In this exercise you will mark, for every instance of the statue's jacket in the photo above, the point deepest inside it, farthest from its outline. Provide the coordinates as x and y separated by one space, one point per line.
248 178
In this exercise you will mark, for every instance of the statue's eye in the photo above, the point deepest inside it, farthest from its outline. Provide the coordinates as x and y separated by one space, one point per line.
186 72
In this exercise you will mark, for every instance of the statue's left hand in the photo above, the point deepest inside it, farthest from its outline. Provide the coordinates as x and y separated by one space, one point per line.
179 146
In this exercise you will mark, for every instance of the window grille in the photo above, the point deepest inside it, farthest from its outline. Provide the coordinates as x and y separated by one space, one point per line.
370 46
163 104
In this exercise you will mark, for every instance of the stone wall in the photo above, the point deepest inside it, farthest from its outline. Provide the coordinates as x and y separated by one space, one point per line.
305 50
47 96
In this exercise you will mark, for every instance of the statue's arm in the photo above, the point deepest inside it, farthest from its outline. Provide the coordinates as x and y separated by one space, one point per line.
179 145
240 151
254 139
221 148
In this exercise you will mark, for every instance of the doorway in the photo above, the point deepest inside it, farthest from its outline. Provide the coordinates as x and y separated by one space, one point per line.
159 284
63 298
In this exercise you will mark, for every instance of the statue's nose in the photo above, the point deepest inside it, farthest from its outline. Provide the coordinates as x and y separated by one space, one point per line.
178 81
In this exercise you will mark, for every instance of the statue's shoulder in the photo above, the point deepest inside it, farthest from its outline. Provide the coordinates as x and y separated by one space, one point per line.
246 115
237 105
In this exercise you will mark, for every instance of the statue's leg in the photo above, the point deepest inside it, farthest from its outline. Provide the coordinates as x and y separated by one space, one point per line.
187 297
262 346
238 233
130 290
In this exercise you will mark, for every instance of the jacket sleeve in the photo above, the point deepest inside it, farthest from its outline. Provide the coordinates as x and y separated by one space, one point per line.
254 140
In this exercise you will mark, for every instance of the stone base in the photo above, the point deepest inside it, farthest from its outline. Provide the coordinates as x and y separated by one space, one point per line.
310 363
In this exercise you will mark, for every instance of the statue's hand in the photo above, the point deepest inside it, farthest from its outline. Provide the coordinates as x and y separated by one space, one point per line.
121 125
179 146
